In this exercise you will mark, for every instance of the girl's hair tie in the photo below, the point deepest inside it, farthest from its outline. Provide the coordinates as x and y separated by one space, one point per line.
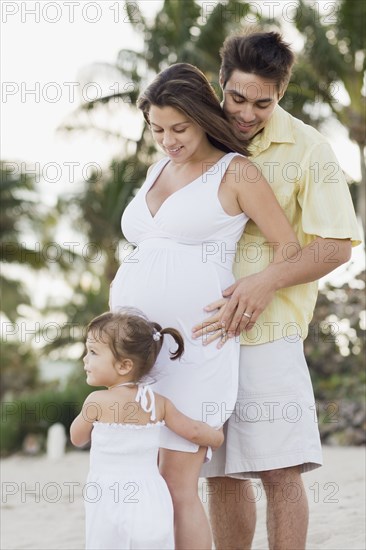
156 336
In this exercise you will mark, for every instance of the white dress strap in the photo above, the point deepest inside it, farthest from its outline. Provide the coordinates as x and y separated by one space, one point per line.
156 169
145 393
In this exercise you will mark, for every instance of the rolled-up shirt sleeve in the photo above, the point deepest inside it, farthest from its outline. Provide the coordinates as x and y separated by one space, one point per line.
325 198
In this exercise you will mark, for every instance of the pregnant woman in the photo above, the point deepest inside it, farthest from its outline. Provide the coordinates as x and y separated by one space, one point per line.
185 222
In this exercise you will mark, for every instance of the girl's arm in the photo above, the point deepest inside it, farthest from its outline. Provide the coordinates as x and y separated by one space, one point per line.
80 429
198 432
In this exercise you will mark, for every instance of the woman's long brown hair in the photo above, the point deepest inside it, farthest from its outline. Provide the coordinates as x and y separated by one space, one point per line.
184 87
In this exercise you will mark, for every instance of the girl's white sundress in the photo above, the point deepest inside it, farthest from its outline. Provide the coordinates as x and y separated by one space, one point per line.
127 502
182 262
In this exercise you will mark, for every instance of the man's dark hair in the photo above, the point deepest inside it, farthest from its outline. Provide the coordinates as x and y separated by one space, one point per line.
264 54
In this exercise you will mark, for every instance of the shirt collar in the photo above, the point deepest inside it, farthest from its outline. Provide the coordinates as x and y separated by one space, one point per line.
277 130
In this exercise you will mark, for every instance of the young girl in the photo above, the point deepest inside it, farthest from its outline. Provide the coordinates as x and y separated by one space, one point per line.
128 504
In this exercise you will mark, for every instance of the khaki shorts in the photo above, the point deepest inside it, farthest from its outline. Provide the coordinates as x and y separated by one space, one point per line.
274 424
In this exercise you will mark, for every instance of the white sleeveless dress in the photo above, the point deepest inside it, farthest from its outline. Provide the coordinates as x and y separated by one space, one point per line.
127 502
182 262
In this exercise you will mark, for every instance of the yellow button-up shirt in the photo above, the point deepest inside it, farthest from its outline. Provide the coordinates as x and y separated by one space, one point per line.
310 186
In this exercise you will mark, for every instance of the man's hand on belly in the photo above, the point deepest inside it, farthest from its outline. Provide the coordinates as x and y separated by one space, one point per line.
239 310
248 297
211 328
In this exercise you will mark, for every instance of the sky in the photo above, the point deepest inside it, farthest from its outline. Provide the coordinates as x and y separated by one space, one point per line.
47 47
47 50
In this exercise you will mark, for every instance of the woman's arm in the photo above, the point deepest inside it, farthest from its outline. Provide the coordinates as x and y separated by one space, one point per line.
80 429
257 199
198 432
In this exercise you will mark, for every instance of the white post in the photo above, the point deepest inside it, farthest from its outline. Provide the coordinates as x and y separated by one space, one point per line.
56 441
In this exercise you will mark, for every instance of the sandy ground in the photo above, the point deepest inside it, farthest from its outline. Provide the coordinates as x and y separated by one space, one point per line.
42 502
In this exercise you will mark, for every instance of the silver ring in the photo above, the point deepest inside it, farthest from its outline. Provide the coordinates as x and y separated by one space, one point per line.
247 315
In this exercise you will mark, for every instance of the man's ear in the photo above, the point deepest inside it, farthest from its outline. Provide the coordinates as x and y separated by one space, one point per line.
125 366
221 79
281 93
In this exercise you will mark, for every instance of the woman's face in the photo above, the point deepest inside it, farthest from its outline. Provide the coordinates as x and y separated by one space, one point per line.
179 137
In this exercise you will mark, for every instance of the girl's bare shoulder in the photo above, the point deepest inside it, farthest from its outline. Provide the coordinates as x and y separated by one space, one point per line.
160 405
96 396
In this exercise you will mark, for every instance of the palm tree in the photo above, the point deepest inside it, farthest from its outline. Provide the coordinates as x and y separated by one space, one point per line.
21 214
17 202
333 57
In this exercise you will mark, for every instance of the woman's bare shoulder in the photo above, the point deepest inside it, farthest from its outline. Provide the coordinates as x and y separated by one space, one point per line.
152 166
242 169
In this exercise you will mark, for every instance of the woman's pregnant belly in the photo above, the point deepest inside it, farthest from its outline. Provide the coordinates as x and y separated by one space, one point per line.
170 284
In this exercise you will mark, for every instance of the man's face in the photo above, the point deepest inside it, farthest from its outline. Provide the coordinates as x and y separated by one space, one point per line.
249 101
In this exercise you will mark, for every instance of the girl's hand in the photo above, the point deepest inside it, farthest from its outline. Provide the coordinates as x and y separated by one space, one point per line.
198 432
220 438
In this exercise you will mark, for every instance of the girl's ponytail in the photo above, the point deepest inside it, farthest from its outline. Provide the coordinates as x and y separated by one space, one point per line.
175 334
178 340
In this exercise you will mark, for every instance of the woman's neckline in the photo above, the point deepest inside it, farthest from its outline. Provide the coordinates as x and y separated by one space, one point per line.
186 186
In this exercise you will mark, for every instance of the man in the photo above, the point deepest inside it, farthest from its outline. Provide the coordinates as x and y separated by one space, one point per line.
273 433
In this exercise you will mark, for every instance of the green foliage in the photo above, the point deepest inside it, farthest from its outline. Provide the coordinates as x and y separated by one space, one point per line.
22 213
18 368
98 210
89 299
169 37
333 58
335 347
18 202
333 55
35 412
